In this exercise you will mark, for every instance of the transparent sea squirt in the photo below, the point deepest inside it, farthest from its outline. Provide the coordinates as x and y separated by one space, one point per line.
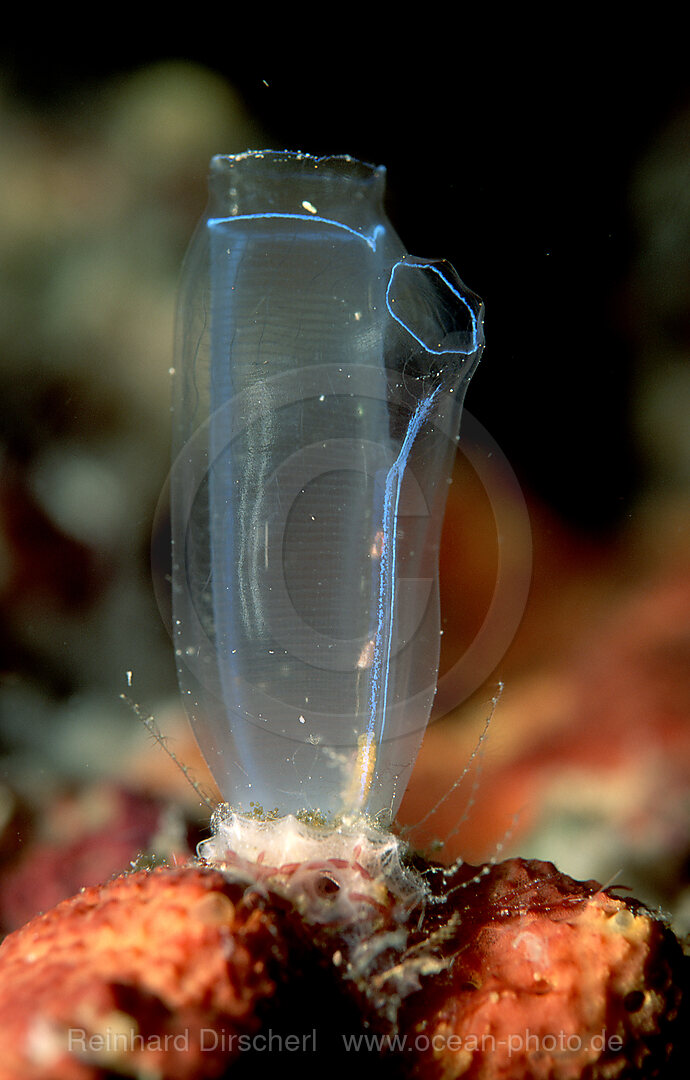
320 374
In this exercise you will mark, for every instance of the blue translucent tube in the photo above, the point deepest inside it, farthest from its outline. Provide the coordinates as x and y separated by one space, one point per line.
320 374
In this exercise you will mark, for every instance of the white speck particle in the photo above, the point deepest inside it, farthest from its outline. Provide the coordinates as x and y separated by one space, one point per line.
302 720
309 206
129 678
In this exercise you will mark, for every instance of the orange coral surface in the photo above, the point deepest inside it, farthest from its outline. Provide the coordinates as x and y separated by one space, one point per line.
129 976
173 973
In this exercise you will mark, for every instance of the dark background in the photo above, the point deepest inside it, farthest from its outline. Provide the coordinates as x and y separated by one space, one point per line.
554 178
517 166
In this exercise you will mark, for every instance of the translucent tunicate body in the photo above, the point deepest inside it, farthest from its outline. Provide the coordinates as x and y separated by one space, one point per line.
320 373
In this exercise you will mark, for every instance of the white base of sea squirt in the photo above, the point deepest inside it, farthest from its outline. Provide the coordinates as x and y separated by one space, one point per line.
352 883
348 875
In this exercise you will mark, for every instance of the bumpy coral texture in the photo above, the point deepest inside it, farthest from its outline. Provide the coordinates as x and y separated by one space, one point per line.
551 979
513 971
114 971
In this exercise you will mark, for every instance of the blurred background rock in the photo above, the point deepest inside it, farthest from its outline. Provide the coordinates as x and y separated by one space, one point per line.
101 189
563 200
